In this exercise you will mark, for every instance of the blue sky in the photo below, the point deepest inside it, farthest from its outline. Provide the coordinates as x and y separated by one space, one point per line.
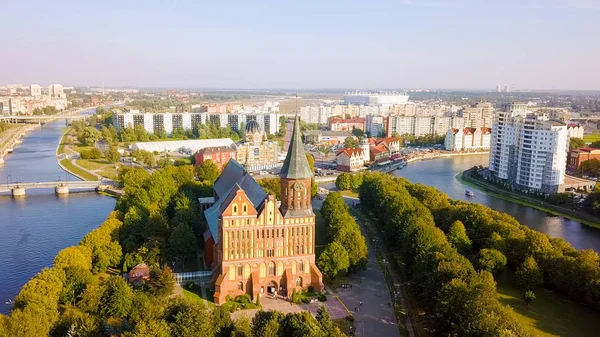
454 44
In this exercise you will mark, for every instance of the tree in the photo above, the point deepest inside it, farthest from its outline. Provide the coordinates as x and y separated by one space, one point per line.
343 182
528 274
457 236
576 143
528 297
76 281
208 171
143 156
74 256
192 320
112 154
325 150
271 186
491 260
161 281
90 136
182 243
358 132
352 240
242 327
116 298
334 260
350 142
324 318
311 162
267 323
300 324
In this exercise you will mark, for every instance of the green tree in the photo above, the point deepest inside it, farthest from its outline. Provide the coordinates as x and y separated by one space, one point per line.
354 243
576 143
358 132
343 182
112 154
528 274
334 260
182 243
491 260
325 150
528 297
271 186
267 323
300 324
311 161
350 142
76 281
90 136
116 298
208 171
161 281
192 320
457 237
74 256
324 318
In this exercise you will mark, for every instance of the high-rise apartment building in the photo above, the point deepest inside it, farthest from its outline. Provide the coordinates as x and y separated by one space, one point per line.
56 90
374 125
35 90
478 115
421 126
315 114
528 150
168 122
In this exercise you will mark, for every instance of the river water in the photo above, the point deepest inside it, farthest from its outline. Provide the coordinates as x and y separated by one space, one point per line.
441 174
34 228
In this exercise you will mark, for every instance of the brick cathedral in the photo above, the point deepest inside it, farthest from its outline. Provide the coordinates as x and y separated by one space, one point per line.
255 246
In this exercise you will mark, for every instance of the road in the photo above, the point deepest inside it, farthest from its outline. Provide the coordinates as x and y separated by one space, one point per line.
376 316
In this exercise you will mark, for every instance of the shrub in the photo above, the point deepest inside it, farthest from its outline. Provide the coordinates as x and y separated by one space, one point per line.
350 318
322 297
93 153
305 300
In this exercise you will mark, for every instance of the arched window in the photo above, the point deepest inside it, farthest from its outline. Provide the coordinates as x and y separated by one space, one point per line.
299 282
240 286
301 267
240 270
234 209
244 209
272 269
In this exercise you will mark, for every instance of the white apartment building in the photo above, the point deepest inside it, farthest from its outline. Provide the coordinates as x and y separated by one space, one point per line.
168 121
468 139
528 150
315 114
35 90
478 115
56 90
374 125
575 131
421 126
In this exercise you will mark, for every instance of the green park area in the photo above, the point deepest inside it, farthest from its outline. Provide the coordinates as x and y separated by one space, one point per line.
591 137
67 163
550 314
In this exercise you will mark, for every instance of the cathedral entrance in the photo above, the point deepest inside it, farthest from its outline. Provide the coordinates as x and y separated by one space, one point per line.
272 288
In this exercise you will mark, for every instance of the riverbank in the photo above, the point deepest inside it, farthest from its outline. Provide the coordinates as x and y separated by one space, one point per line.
466 178
428 156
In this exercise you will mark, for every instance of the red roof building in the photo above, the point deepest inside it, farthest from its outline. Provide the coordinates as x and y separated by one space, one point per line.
350 160
578 156
339 124
219 155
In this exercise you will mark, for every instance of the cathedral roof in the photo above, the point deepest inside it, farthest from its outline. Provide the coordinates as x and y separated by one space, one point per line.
296 165
232 179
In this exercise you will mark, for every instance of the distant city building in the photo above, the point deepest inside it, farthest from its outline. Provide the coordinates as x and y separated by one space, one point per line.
421 126
256 153
35 90
374 125
220 155
315 114
56 90
393 145
350 160
578 156
170 121
375 98
339 124
183 146
468 139
326 137
528 150
478 115
575 131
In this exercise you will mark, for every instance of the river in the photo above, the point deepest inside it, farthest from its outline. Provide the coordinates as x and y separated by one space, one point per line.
441 174
35 228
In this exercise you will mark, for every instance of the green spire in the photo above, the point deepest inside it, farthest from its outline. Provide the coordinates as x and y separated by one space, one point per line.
296 165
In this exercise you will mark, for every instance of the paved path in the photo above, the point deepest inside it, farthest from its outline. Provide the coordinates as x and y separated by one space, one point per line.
376 317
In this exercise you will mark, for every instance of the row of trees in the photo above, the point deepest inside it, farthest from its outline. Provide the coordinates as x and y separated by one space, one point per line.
348 181
460 300
74 297
347 248
430 139
538 259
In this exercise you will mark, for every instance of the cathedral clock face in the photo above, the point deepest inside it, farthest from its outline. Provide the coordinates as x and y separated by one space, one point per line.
298 186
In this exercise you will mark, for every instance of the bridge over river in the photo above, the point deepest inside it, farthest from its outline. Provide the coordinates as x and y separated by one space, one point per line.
60 187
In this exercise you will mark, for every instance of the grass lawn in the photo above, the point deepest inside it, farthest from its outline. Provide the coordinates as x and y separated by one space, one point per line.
350 194
93 164
591 137
76 170
550 314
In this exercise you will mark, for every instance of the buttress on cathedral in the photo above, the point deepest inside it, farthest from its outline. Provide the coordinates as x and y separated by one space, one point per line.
252 245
